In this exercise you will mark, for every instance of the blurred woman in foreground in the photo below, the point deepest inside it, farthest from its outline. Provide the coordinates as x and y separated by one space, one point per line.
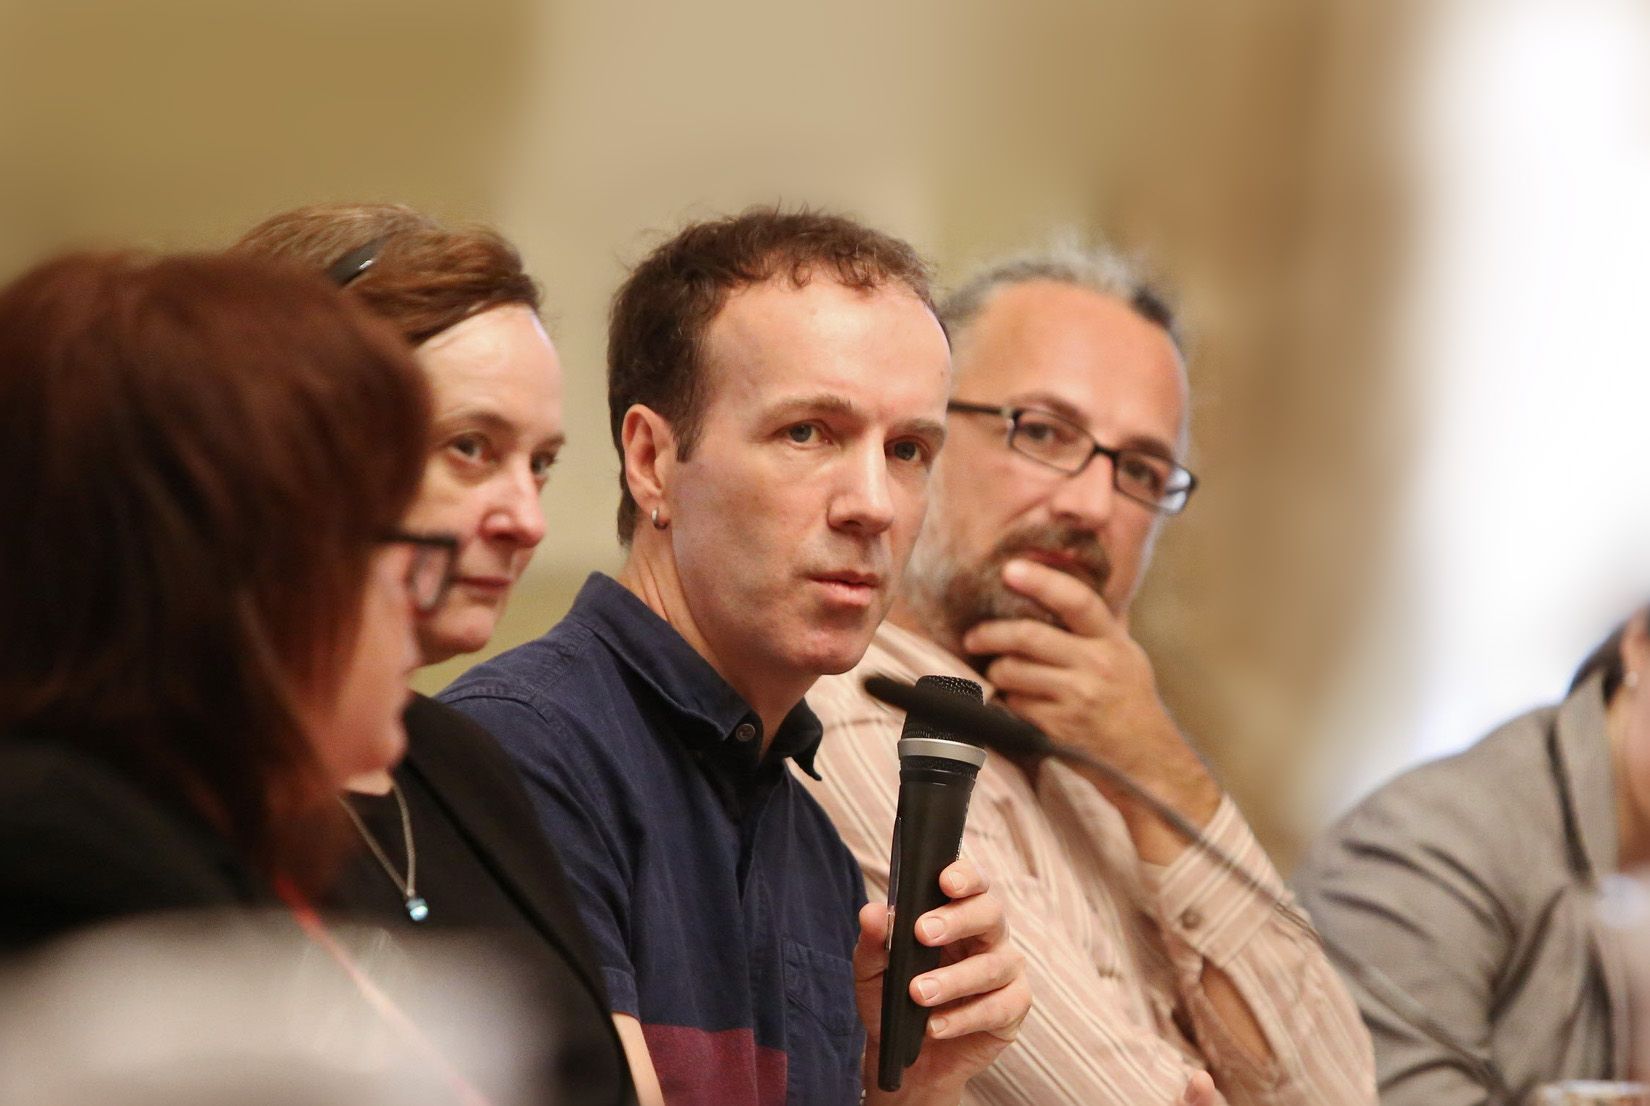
207 607
1472 885
452 840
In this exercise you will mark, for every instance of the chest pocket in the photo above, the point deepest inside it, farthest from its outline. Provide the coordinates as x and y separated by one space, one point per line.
823 1037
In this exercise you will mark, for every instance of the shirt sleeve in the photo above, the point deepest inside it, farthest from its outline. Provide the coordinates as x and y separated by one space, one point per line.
1210 916
572 792
1094 1033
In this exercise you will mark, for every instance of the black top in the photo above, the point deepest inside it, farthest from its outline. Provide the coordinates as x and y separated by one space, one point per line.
459 891
81 844
484 864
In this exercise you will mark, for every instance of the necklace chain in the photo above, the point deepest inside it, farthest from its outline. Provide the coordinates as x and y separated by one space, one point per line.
417 908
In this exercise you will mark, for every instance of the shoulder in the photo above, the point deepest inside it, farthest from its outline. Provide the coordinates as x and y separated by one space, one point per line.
1484 813
533 673
439 732
80 843
547 693
1475 787
50 788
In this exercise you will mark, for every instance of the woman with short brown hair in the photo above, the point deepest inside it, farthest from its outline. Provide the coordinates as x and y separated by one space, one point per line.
452 839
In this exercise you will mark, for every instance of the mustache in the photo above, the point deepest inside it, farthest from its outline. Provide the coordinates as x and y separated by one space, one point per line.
1079 551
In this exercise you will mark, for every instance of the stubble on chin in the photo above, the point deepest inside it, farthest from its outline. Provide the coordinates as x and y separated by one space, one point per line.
974 594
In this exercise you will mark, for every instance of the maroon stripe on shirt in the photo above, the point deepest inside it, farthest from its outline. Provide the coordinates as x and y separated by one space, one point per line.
697 1067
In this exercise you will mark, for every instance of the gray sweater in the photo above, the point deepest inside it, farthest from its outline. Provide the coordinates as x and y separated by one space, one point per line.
1470 883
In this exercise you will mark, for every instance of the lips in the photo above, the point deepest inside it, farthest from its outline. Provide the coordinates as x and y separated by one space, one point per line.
857 579
856 589
486 583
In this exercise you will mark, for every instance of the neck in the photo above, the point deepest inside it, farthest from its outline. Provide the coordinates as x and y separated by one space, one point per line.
771 694
909 615
369 783
1632 822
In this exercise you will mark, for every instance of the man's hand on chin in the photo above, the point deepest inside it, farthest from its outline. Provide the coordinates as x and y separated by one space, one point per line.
1087 683
978 996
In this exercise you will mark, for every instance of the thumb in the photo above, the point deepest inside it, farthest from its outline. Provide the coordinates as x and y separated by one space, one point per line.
870 957
1200 1091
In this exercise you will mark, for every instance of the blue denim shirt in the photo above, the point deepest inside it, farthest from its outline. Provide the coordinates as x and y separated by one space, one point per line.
721 900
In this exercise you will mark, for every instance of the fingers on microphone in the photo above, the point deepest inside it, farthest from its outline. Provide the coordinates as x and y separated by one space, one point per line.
985 993
962 877
977 917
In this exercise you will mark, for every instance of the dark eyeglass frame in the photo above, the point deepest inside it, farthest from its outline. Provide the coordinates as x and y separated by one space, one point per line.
1181 483
427 597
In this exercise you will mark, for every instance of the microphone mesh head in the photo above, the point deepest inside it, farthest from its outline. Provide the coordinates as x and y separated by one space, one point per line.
918 726
956 685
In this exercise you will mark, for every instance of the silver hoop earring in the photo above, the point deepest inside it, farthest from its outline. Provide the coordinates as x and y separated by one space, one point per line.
653 516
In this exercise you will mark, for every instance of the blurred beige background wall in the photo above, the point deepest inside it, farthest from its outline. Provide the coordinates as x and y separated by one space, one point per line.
1245 151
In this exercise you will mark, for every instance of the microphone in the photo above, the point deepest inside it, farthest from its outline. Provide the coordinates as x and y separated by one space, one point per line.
1011 735
936 774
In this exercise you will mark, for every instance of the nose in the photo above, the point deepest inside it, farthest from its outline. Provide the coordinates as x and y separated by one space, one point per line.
863 502
1086 500
515 512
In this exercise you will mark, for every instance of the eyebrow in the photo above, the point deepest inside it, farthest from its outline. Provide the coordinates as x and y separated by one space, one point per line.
1053 404
494 423
829 403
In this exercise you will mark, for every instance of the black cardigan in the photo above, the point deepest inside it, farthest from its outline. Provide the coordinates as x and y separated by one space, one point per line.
478 787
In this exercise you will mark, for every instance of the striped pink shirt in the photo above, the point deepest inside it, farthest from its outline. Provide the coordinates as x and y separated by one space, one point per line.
1114 947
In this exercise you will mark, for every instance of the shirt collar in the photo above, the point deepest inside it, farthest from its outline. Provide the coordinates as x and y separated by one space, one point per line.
714 719
1583 752
909 655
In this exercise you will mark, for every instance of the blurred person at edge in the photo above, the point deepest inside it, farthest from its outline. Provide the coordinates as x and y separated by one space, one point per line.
776 394
1154 967
452 840
1472 883
208 605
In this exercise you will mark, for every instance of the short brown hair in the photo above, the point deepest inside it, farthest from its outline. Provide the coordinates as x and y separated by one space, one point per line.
425 277
660 314
201 455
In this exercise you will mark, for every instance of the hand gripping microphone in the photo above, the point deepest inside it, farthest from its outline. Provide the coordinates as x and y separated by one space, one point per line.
936 777
1012 736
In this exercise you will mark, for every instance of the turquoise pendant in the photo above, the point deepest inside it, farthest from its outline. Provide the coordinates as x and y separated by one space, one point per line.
417 908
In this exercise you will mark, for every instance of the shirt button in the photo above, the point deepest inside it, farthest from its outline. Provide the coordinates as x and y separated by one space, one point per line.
1190 918
745 732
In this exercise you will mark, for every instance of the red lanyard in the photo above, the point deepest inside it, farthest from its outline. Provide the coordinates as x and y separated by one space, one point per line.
310 922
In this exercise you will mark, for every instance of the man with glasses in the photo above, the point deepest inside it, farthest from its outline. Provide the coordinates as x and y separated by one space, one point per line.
1154 967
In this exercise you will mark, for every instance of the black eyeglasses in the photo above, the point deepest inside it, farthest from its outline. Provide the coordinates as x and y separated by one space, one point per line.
430 575
1059 443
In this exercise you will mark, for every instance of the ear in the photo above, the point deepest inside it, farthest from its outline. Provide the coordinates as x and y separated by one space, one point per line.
1635 644
649 446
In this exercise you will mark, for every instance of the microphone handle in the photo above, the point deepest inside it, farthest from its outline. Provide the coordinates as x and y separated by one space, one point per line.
928 829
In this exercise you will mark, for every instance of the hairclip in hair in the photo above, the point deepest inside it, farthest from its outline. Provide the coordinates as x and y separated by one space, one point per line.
355 263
